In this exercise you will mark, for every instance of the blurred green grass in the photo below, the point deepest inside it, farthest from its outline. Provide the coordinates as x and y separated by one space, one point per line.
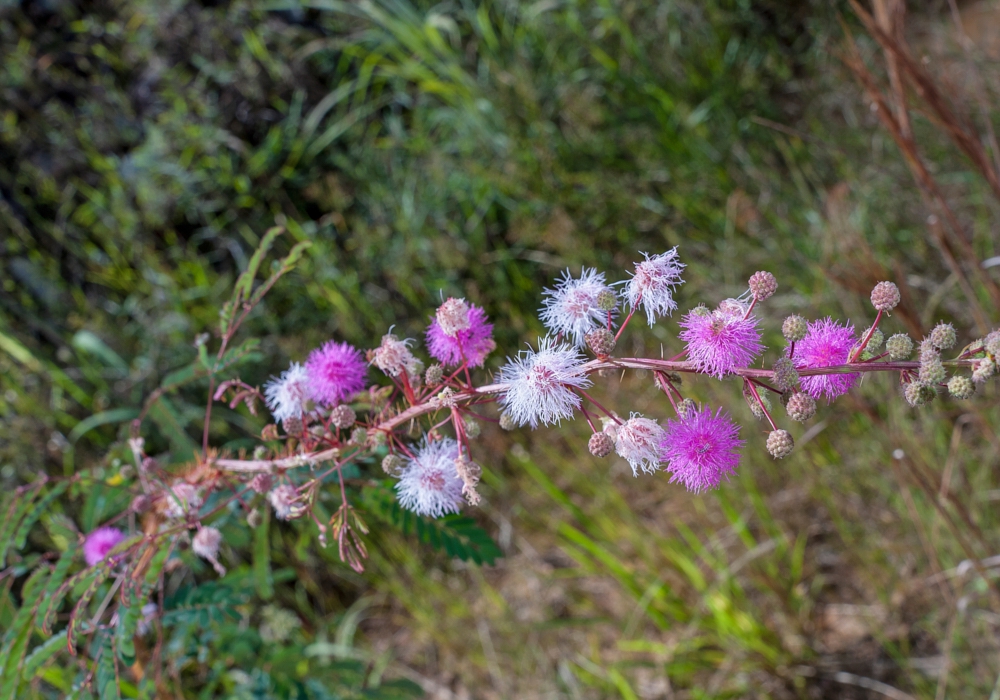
475 149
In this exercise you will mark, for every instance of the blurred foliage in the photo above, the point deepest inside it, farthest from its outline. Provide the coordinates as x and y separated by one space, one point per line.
472 148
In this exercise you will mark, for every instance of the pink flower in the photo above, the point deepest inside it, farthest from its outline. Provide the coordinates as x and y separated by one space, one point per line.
701 450
540 384
827 343
571 310
653 284
475 342
637 441
393 356
429 484
287 395
336 371
721 341
99 543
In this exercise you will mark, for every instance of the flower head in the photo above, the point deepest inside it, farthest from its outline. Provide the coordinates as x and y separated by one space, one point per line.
284 500
453 316
474 342
827 343
653 284
572 308
638 443
539 383
393 356
99 543
336 371
181 498
287 395
701 449
429 484
723 340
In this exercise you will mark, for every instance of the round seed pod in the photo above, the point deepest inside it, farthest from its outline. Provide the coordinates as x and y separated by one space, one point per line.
780 443
601 444
434 375
600 341
961 387
932 371
801 406
794 328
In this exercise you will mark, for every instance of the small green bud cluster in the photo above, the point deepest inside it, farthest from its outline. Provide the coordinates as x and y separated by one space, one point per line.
801 406
899 347
794 328
762 285
686 408
785 375
780 443
918 393
885 296
600 341
961 387
607 300
755 406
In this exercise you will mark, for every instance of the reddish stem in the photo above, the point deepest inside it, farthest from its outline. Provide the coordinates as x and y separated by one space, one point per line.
753 390
868 336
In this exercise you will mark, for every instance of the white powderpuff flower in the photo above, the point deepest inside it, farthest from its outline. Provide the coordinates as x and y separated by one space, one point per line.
638 443
393 356
429 484
287 395
283 500
453 316
539 383
571 309
181 498
653 284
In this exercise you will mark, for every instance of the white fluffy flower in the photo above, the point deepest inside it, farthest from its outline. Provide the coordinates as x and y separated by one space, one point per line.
429 484
539 383
283 500
181 498
653 284
571 308
287 395
638 443
393 356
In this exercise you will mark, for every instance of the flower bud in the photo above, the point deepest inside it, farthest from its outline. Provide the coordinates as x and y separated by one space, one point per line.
961 387
875 342
785 375
780 443
359 435
932 371
794 328
701 310
378 438
343 416
600 341
885 296
601 444
472 427
506 422
899 346
918 393
686 408
762 285
293 425
261 483
755 406
943 336
393 465
434 375
254 518
801 406
607 300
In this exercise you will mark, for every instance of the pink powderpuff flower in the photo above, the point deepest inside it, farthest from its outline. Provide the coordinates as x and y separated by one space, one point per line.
336 371
539 383
571 309
473 343
181 498
653 284
284 500
638 442
721 341
701 449
99 543
393 356
453 316
827 343
287 395
429 484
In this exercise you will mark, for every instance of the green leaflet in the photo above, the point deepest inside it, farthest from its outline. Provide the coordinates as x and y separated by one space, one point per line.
15 641
459 536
